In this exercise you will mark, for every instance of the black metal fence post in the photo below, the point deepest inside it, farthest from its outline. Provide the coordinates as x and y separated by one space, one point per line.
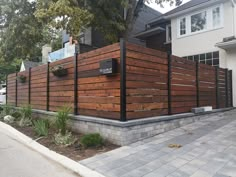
6 87
169 83
76 83
123 80
197 84
16 90
48 86
217 88
231 88
226 89
29 87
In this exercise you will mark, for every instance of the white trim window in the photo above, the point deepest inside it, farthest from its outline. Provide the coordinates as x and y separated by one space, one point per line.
198 22
182 25
168 33
201 21
216 17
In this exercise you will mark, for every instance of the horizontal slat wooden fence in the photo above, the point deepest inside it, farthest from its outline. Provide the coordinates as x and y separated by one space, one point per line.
148 83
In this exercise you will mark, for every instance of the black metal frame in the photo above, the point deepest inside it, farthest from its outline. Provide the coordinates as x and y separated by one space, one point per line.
226 88
29 87
123 80
48 74
75 84
169 83
217 88
6 87
231 87
16 89
197 84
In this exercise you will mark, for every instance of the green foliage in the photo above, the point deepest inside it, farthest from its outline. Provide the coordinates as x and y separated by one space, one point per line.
16 114
62 118
7 67
22 35
105 16
26 116
41 127
64 14
66 140
92 140
6 110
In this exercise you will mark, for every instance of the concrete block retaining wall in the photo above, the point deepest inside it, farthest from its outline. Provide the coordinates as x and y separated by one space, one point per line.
124 133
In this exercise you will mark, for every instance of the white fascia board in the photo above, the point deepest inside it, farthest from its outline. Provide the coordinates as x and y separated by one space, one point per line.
200 6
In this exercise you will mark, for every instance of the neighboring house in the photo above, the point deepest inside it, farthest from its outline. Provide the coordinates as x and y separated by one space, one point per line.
201 30
25 65
94 39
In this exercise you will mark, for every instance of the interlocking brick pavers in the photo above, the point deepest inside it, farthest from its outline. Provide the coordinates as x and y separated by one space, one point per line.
208 150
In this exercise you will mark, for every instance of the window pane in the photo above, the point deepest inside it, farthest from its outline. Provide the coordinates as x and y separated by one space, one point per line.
209 62
182 26
216 62
203 56
198 22
196 57
209 56
168 31
216 54
202 61
190 57
216 17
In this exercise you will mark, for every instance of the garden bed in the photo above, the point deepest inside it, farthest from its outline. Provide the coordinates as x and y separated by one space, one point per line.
55 134
75 151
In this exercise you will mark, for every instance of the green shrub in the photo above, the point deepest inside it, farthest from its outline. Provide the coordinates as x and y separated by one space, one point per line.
26 112
41 127
66 140
16 114
6 110
62 119
92 140
26 116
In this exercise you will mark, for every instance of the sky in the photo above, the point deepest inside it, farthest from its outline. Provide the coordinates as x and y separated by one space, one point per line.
166 8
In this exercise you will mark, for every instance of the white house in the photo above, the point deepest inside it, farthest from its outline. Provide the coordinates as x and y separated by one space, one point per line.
200 30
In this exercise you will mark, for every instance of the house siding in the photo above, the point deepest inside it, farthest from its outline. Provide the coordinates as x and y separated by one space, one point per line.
202 42
158 42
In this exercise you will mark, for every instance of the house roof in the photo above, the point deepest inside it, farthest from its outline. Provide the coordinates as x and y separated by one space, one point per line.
30 64
145 14
185 7
165 18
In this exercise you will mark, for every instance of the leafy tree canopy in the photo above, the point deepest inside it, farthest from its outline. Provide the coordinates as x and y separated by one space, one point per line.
105 15
22 34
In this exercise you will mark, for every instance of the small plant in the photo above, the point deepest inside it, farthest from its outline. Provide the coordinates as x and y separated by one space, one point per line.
22 78
62 119
92 140
6 110
26 116
41 127
65 140
59 71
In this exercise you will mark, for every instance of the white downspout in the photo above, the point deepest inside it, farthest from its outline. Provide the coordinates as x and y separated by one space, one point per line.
234 19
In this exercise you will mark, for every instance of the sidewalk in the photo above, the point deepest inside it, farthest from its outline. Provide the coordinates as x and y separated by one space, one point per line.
17 160
208 150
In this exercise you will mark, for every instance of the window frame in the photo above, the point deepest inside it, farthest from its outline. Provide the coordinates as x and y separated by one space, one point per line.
168 29
209 21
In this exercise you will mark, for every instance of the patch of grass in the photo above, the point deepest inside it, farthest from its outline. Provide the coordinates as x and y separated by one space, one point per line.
92 140
41 127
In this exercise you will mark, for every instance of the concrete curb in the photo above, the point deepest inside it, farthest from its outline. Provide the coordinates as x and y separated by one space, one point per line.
58 158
